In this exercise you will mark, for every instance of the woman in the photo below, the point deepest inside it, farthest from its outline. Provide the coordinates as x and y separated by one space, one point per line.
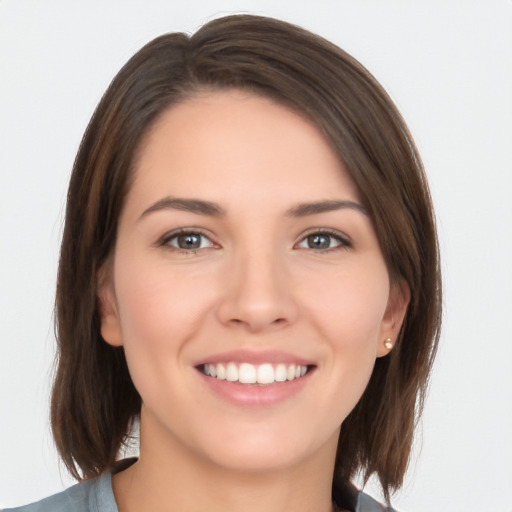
249 268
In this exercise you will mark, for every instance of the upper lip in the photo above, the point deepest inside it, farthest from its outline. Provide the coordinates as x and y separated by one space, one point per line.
254 357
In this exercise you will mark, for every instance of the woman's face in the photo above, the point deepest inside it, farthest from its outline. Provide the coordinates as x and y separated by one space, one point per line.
247 285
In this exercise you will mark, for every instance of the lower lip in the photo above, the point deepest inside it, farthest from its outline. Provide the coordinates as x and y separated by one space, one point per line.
254 395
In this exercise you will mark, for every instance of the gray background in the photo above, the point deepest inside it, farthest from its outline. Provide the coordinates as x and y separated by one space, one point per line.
447 64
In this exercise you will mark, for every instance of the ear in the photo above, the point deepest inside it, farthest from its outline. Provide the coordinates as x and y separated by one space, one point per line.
398 301
110 324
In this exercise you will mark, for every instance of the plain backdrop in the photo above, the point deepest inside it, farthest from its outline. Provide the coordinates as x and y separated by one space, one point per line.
447 64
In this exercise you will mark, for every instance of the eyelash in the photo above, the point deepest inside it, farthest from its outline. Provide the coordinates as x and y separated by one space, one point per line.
344 242
166 239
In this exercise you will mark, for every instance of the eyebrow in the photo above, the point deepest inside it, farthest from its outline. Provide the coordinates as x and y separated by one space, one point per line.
304 209
202 207
187 205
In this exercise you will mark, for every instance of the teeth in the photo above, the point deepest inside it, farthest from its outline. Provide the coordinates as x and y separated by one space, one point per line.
231 372
265 374
280 373
221 372
247 373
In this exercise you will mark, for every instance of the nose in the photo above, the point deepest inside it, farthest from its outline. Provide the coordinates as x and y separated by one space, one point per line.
257 293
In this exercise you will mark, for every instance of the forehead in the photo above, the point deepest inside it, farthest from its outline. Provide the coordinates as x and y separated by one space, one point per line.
232 143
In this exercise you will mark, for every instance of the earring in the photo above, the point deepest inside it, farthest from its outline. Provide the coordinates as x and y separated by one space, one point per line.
388 344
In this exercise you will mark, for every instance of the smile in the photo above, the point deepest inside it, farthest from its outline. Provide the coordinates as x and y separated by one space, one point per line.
247 373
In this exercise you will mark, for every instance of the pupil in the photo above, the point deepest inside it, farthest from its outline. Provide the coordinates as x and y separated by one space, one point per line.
318 241
189 241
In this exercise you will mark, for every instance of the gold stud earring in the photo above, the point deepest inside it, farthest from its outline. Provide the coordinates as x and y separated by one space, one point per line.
388 344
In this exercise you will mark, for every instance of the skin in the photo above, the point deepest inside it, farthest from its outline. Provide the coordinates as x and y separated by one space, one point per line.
256 284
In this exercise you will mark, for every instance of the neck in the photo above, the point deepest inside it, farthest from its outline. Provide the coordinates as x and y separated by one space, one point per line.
169 476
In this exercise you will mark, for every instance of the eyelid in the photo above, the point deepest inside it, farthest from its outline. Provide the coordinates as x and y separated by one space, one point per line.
164 240
345 241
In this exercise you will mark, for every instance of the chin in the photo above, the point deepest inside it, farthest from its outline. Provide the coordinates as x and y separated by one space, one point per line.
258 460
263 449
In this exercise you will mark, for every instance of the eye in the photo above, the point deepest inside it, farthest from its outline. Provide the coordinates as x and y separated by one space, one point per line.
185 240
324 241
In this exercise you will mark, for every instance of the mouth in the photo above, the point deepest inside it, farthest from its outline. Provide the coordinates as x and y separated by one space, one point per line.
264 374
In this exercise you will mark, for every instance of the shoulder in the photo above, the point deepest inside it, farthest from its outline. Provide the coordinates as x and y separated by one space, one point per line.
366 503
93 495
347 496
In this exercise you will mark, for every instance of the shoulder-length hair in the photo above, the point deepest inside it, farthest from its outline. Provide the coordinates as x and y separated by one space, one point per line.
94 401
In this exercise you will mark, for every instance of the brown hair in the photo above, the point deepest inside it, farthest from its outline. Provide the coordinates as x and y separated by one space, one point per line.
94 401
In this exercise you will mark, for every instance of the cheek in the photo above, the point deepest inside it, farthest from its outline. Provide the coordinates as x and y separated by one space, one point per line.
155 297
351 305
159 312
348 311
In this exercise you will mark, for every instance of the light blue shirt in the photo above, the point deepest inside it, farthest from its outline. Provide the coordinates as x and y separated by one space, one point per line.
93 495
96 495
